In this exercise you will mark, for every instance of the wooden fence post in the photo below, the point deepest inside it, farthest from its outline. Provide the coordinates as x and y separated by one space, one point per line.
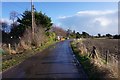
106 58
9 46
15 47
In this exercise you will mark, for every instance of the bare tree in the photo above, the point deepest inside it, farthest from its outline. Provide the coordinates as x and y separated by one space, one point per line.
59 31
13 17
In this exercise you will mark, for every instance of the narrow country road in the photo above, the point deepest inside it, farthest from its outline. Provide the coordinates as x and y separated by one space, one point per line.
57 61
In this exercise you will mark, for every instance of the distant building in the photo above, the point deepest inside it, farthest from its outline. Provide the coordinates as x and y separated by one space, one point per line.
60 38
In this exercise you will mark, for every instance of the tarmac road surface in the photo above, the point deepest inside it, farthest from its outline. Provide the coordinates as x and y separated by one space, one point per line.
57 61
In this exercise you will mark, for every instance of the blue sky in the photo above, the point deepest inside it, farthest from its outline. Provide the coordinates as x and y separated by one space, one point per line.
67 14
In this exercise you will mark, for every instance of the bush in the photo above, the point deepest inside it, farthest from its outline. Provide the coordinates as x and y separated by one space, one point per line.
39 38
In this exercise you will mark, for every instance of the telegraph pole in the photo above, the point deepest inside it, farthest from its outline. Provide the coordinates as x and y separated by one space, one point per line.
33 26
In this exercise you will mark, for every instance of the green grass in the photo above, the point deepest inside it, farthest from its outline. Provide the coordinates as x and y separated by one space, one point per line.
16 59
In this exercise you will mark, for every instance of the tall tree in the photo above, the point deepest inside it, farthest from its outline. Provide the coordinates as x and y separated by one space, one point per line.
43 19
108 35
99 35
73 34
25 21
40 19
68 33
85 35
116 37
78 35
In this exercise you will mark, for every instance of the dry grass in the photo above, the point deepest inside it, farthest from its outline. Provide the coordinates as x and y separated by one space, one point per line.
110 58
26 42
105 69
39 38
25 48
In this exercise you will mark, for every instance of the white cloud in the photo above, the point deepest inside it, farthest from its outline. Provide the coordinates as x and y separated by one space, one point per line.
62 17
93 22
103 21
95 12
6 20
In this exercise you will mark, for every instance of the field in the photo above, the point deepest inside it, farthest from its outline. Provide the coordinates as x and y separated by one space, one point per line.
107 53
104 47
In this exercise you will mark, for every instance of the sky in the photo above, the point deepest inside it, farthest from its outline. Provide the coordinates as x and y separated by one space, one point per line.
91 17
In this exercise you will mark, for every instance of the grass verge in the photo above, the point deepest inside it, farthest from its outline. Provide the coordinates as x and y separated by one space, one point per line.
18 58
93 71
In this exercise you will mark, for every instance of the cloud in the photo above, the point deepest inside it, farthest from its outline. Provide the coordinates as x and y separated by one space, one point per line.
62 17
95 12
93 22
103 21
6 20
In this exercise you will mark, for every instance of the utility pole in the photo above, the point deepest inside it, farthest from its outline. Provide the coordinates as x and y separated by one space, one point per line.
33 26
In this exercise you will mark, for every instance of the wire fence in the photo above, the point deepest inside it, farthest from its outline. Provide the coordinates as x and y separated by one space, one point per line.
107 51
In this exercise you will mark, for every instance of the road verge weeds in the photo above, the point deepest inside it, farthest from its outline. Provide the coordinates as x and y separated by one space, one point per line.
93 67
13 60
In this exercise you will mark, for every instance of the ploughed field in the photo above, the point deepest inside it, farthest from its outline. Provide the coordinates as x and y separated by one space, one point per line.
108 52
105 47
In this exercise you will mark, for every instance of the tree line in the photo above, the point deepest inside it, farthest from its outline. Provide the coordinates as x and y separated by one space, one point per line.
21 22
